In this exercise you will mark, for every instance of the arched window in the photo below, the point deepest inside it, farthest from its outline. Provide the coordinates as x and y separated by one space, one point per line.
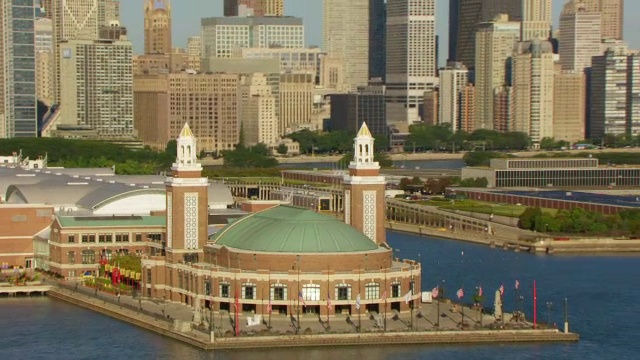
278 292
311 292
249 291
182 151
343 292
372 291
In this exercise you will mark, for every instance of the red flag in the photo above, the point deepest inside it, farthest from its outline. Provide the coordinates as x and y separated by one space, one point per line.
460 293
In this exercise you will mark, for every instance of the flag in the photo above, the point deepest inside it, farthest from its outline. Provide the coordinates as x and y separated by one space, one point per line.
480 291
358 302
517 284
384 295
434 292
301 299
407 298
269 308
460 293
501 290
328 302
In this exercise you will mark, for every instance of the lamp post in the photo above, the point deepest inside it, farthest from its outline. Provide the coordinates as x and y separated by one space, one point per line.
566 316
299 293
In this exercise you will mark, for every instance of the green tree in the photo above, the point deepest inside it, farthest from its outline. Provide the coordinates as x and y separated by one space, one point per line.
282 149
257 156
528 218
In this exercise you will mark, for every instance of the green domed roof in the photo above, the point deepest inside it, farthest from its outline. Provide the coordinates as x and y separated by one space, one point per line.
292 230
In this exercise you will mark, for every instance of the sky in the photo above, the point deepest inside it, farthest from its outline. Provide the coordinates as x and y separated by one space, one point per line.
187 15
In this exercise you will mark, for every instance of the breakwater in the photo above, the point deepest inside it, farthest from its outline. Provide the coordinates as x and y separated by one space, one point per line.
205 342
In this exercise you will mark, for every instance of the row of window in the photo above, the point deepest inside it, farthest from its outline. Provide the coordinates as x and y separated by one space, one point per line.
109 238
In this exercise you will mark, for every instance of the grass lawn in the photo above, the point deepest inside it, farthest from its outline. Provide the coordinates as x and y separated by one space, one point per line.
482 207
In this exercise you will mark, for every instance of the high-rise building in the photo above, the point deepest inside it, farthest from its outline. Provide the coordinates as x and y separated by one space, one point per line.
222 35
18 101
532 83
536 20
259 122
210 102
612 16
194 46
495 41
304 60
502 108
411 58
296 101
72 20
113 31
580 35
633 94
377 38
569 106
44 60
467 108
608 94
253 8
453 79
464 18
345 35
98 89
157 27
108 11
350 111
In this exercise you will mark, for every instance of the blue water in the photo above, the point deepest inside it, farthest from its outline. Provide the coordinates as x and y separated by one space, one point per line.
602 292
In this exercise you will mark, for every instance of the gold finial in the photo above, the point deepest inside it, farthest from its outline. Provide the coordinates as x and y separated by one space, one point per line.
364 131
186 131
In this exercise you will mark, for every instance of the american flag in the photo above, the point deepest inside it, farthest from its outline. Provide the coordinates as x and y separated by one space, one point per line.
407 297
517 284
328 301
460 293
480 291
434 292
358 302
384 295
501 290
269 307
301 299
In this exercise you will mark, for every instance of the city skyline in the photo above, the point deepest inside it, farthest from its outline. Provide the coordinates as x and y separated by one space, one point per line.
311 12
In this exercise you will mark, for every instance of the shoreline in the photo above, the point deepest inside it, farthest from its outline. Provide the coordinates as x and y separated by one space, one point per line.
317 340
584 246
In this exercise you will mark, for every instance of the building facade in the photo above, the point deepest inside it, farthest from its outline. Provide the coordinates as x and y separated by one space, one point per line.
98 87
612 13
296 101
222 35
257 8
580 34
532 83
495 41
18 93
536 20
350 111
345 35
453 79
157 27
467 108
569 106
259 122
411 58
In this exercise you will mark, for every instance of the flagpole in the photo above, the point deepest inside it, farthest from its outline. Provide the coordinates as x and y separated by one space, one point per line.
385 301
411 299
299 293
328 296
358 305
270 306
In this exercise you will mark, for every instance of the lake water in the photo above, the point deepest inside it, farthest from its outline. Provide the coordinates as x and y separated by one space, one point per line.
602 293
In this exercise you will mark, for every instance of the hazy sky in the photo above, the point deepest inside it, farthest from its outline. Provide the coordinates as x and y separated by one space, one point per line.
187 14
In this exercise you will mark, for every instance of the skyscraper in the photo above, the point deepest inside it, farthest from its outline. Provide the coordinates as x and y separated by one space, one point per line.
411 58
612 16
253 7
464 18
98 87
580 35
532 85
258 111
345 35
157 27
72 20
377 38
536 20
495 41
453 80
569 106
18 102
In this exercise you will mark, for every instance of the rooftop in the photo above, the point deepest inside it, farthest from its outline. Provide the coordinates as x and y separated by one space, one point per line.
289 229
111 221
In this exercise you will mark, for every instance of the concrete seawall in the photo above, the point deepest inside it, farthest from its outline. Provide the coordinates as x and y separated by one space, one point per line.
319 340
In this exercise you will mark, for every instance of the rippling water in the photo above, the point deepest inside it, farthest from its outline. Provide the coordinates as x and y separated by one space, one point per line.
602 292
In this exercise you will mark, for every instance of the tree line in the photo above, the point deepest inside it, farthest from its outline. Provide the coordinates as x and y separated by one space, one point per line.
580 221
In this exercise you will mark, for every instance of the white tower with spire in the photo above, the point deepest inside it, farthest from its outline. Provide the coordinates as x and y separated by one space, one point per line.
187 199
364 187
